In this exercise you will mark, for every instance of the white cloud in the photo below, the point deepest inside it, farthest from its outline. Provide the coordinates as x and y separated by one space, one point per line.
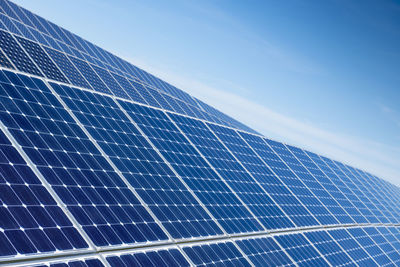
377 158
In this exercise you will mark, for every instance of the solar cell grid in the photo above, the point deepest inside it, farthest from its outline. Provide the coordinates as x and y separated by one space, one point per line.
82 178
144 169
15 53
370 246
301 250
219 254
42 60
89 74
157 258
361 191
31 221
225 207
267 211
88 262
264 252
68 68
389 209
293 205
347 199
352 247
312 192
384 244
351 190
317 185
328 247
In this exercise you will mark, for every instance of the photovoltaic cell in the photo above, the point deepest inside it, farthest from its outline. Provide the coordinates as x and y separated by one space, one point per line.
82 178
301 250
31 222
364 205
194 170
68 68
219 254
156 258
264 252
317 186
115 88
42 60
311 191
238 178
94 80
327 246
289 189
4 62
140 164
15 53
352 247
370 246
88 262
384 244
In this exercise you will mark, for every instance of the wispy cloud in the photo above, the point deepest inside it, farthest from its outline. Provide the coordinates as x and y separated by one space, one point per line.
377 158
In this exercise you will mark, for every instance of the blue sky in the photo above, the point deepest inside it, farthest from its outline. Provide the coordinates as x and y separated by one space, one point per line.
322 75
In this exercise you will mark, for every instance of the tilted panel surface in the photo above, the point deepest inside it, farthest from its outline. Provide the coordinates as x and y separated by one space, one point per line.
157 258
194 170
31 222
238 178
93 192
139 163
218 254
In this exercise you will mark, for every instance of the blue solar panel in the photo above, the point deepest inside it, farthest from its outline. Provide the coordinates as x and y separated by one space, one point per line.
15 53
194 170
90 75
148 174
31 222
89 179
301 250
364 204
68 68
236 176
312 191
370 246
287 183
42 60
83 179
392 252
264 252
352 247
219 254
157 258
328 247
88 262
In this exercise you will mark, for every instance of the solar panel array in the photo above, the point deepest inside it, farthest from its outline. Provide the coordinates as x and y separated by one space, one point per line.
104 164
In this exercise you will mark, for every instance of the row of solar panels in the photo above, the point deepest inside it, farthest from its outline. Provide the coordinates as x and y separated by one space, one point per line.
87 65
371 246
80 170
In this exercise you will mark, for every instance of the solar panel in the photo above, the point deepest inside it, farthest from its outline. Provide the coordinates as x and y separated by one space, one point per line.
233 172
189 164
162 257
139 163
223 254
93 192
301 250
264 252
104 164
